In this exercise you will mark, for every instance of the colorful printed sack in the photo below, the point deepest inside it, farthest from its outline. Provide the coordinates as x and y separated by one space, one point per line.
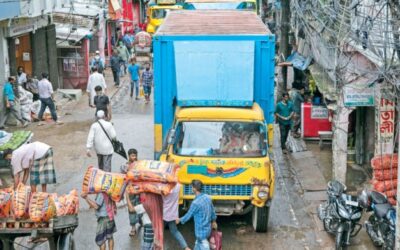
5 202
42 207
20 201
153 171
150 187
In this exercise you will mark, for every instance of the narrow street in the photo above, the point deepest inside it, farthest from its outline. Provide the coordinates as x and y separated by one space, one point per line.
290 226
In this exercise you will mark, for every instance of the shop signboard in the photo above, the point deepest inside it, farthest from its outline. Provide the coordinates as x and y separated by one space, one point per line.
356 97
385 124
319 112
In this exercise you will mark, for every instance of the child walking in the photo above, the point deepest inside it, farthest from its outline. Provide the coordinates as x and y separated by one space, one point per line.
105 212
131 199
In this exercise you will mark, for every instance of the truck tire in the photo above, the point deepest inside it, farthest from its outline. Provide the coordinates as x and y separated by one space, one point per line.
260 218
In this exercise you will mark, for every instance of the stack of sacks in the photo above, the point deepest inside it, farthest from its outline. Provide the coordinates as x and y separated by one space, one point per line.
5 202
26 101
152 176
42 207
67 204
385 175
20 201
97 181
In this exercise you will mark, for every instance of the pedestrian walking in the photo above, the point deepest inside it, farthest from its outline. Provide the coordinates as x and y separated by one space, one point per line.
21 77
10 105
124 55
171 214
284 114
132 200
147 82
296 95
102 102
105 213
98 62
115 67
133 70
98 138
147 237
95 79
34 159
46 97
203 213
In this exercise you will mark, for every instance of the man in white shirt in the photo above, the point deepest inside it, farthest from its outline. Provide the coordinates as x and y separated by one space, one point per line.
101 142
95 79
34 159
21 77
45 90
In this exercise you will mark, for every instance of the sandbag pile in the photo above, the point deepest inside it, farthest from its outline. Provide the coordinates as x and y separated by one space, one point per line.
385 175
41 207
98 181
152 176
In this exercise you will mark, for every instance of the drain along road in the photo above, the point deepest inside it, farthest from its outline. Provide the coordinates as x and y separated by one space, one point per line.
290 225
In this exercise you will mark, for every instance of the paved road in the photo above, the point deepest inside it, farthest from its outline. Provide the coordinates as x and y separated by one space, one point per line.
290 225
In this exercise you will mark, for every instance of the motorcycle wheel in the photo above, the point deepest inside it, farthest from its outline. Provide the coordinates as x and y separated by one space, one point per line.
339 241
389 242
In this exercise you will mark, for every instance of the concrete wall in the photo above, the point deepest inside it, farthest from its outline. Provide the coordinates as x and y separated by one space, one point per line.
52 55
44 50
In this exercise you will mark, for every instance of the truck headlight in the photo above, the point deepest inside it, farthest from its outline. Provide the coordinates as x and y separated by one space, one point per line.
262 195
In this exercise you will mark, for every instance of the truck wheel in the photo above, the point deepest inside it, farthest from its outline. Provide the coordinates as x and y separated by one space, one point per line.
260 218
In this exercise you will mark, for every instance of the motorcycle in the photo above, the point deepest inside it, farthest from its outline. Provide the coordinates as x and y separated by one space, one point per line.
381 224
340 214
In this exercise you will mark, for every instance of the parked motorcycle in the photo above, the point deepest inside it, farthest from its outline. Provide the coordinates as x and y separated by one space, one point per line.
340 214
382 222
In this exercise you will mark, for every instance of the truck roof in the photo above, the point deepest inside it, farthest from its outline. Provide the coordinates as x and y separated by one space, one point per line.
254 113
213 22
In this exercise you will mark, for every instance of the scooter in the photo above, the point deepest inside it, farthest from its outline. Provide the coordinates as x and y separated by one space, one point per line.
381 224
340 214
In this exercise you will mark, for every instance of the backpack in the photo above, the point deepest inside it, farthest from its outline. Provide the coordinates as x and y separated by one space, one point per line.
99 65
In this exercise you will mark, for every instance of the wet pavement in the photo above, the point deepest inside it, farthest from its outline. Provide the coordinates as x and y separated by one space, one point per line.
291 225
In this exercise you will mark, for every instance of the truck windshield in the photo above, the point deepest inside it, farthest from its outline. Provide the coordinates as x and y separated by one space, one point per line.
160 13
225 139
220 6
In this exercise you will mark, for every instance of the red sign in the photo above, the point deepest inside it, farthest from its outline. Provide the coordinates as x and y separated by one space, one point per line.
314 119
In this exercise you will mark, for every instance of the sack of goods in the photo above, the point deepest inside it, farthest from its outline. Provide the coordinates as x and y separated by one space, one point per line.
20 201
385 175
150 187
153 171
5 202
67 204
42 207
97 181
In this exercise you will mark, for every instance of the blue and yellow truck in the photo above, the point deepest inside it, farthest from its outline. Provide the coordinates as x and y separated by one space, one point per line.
214 105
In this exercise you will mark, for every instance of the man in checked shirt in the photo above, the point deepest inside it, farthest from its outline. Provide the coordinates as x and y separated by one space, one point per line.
147 82
203 212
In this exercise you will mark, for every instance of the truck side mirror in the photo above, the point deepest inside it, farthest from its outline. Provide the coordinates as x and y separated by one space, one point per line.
171 136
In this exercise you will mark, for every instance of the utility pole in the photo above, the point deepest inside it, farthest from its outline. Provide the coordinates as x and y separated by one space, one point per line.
284 41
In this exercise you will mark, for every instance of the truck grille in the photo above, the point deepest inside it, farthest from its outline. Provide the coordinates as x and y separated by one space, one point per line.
222 190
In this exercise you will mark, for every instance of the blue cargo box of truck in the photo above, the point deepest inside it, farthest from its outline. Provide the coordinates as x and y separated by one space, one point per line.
211 58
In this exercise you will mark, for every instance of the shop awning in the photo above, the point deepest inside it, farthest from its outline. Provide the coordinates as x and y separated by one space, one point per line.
67 32
114 10
324 82
298 61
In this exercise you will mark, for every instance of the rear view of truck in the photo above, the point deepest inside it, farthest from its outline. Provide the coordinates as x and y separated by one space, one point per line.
214 73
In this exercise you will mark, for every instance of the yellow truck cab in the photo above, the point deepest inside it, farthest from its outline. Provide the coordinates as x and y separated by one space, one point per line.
244 5
214 104
156 13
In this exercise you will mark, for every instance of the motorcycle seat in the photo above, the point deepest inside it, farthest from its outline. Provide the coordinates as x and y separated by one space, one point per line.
382 209
378 198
